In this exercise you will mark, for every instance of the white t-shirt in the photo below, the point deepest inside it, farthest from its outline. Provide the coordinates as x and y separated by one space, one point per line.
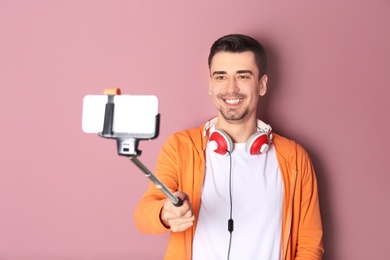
257 197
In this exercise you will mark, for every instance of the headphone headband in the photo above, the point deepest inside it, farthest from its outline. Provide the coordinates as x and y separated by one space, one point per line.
263 127
257 143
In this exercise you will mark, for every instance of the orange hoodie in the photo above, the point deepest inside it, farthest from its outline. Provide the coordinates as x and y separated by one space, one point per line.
181 165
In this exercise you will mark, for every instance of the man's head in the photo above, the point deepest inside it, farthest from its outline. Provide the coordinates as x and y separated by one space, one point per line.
237 43
237 77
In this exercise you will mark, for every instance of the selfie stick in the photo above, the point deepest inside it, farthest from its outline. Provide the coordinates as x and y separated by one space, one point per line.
127 144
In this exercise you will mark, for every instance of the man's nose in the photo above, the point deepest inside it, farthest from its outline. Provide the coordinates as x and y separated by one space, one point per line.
233 85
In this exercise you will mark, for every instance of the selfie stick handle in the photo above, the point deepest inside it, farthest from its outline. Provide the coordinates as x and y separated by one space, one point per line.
175 200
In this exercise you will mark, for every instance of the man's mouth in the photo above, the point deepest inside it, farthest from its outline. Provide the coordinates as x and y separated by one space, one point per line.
233 101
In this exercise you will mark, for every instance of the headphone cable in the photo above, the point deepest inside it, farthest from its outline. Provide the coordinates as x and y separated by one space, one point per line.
230 221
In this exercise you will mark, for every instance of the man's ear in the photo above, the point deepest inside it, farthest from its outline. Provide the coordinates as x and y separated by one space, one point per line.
263 85
210 86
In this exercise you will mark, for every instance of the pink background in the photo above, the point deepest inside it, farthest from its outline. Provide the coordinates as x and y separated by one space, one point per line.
68 195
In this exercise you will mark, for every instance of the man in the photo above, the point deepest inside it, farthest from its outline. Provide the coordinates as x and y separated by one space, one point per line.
247 192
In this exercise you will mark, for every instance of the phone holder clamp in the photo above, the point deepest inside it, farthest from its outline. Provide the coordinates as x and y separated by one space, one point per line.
127 144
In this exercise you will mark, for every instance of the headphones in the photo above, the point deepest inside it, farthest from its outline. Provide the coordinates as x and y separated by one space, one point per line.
221 143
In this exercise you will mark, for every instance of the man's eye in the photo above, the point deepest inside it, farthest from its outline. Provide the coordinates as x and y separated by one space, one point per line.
243 77
220 77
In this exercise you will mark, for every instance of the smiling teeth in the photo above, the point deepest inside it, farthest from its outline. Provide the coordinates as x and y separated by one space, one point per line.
232 101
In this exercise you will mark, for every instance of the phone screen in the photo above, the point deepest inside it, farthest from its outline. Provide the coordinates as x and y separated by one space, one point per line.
133 114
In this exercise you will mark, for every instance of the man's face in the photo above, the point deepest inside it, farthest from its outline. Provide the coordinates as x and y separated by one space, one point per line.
235 85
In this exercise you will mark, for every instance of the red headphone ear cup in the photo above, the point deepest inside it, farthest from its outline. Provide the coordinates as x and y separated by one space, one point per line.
223 142
258 143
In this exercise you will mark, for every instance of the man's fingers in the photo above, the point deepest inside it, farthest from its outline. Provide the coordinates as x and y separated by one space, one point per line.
183 210
178 218
180 225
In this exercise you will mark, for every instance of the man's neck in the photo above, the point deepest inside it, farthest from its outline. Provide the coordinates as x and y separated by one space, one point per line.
238 132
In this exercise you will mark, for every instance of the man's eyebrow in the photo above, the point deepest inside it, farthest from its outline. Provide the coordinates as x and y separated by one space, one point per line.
244 71
219 72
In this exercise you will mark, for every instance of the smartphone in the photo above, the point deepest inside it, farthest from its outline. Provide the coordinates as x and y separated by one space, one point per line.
134 115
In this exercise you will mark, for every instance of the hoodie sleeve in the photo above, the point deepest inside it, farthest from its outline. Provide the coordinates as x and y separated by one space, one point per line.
309 240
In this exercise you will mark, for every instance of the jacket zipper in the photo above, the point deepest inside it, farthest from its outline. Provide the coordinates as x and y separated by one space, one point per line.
288 220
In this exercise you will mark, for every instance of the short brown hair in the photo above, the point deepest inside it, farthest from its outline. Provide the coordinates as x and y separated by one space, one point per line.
240 43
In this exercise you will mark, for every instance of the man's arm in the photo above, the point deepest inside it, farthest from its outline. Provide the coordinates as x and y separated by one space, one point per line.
154 213
309 243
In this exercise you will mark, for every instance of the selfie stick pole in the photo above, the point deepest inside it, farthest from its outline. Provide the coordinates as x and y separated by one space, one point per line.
175 200
128 145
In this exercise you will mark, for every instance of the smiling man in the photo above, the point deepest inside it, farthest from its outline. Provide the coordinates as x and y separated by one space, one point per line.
248 193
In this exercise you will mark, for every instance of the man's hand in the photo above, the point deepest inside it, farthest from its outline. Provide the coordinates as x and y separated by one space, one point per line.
178 218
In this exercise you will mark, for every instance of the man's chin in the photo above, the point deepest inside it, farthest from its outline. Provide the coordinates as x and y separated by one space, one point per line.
234 118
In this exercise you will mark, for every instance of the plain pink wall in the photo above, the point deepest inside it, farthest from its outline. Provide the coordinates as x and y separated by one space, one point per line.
67 195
